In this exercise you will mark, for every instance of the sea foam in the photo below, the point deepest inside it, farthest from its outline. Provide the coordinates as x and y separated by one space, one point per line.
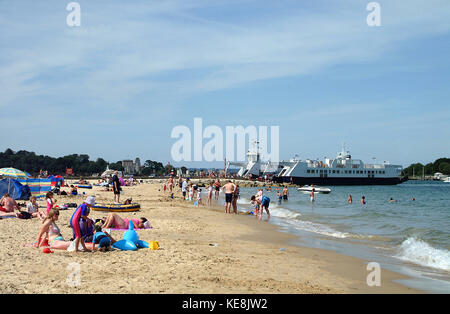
419 252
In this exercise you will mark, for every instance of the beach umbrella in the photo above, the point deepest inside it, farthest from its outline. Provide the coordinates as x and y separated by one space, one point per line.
13 173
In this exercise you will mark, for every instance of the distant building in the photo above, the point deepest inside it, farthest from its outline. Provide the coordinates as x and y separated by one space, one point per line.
130 167
137 166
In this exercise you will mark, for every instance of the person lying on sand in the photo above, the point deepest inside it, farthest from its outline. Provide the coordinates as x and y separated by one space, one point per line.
8 204
115 221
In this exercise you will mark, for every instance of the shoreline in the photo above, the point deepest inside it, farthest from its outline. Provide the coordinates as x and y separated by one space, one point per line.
247 258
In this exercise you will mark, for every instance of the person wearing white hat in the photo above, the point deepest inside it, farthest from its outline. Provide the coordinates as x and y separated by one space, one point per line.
81 212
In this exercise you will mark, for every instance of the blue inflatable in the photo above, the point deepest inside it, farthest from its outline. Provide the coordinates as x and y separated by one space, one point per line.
130 240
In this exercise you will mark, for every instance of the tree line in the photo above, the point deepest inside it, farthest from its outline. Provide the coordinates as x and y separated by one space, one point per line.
81 164
439 165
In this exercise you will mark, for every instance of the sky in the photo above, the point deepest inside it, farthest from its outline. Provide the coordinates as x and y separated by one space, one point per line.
117 85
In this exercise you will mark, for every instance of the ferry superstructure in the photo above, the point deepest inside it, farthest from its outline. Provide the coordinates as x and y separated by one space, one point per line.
342 170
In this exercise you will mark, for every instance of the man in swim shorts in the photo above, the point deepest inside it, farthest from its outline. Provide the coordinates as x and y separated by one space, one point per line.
228 189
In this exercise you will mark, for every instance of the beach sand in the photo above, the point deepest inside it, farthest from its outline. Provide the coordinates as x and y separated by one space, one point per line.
245 256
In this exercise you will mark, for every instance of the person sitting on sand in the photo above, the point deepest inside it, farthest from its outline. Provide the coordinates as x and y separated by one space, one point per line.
103 239
128 201
115 221
33 208
8 204
73 190
363 200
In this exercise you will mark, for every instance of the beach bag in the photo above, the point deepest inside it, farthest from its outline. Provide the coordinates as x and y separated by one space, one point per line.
24 215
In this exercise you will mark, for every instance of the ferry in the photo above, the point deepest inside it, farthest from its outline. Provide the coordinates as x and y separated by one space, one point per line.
342 170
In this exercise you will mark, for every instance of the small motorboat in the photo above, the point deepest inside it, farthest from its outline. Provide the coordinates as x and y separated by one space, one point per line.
317 189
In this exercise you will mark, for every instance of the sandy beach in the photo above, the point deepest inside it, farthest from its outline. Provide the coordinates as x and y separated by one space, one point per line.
202 250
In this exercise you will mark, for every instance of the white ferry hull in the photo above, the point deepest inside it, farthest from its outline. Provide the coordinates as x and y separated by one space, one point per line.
340 181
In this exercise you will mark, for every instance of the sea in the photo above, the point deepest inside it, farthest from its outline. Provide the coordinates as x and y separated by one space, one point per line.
410 236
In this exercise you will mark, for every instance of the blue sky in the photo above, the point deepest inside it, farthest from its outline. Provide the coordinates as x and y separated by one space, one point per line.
117 85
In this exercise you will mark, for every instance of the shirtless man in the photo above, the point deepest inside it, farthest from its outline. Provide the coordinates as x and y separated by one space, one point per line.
285 193
217 188
228 189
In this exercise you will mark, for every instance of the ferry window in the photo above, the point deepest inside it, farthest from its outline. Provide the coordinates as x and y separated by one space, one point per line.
307 171
337 171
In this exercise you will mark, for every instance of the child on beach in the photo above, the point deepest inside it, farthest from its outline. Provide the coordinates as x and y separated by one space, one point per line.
199 197
210 192
50 201
312 196
103 239
280 197
81 212
33 208
191 193
262 203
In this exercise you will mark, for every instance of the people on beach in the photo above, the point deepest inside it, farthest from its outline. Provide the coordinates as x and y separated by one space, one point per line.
199 197
228 189
280 197
210 193
50 201
103 239
217 186
73 190
8 204
363 200
81 212
50 231
235 198
184 187
170 184
116 186
33 208
391 200
115 221
262 203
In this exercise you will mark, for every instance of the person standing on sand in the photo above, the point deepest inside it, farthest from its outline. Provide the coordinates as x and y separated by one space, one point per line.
184 187
235 198
210 192
228 189
81 212
116 186
217 186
